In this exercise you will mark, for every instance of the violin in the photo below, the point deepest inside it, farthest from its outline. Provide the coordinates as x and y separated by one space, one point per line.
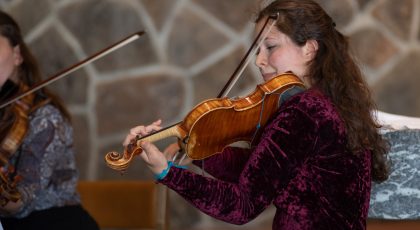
12 135
216 123
15 118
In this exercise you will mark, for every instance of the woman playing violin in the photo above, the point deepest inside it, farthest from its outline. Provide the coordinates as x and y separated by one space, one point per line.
316 157
37 157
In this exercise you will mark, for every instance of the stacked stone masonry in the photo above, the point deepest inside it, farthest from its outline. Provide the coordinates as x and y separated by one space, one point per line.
190 49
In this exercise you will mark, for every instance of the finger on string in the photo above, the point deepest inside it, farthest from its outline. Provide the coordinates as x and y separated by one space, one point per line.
136 130
141 130
157 122
128 139
152 128
144 130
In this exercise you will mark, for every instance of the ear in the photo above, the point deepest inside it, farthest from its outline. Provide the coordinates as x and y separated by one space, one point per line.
17 55
310 48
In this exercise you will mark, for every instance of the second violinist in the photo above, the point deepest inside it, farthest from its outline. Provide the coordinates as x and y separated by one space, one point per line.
36 152
316 158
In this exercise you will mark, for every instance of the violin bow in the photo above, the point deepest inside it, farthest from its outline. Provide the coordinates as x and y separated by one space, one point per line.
245 60
239 69
128 154
76 66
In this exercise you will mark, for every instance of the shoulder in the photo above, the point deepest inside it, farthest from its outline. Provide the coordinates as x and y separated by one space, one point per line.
48 117
314 106
311 99
47 112
47 123
313 103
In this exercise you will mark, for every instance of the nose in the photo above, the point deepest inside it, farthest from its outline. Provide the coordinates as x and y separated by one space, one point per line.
260 60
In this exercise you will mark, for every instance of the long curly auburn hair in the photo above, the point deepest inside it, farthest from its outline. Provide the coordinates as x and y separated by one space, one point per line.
334 71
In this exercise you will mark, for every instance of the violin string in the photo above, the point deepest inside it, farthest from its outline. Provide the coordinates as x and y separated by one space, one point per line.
244 63
261 114
259 119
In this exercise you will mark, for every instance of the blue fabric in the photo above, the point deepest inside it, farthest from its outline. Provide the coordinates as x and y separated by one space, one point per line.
164 172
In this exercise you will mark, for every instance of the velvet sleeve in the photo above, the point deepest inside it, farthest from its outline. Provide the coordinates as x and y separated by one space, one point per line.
227 165
269 169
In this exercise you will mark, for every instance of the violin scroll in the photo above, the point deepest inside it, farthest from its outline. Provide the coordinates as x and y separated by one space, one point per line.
8 190
120 161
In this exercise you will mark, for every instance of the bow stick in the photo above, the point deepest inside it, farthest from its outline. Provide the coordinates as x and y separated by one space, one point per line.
76 66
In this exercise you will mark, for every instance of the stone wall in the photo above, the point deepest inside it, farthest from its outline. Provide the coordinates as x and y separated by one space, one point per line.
190 49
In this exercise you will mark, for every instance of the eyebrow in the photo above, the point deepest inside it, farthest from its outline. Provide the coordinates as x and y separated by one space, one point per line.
268 38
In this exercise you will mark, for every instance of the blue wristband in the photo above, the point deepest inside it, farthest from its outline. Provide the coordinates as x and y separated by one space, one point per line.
164 172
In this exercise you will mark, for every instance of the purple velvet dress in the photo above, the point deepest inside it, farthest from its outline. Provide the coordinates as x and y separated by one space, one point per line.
300 164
